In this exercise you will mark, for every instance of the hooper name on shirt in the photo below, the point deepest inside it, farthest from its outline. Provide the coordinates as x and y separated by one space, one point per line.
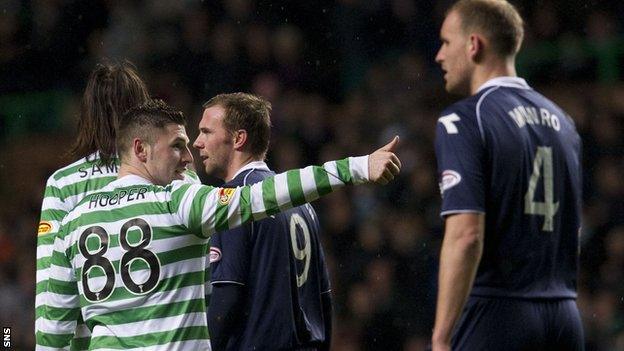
105 199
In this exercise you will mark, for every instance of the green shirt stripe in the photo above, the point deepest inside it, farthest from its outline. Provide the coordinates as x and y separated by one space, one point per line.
246 200
322 181
151 312
150 339
268 195
343 170
294 184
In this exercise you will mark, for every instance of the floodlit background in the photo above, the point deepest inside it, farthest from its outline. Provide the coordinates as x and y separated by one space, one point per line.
343 77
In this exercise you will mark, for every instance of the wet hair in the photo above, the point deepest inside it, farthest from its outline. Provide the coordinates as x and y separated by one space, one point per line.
498 20
248 112
111 90
144 121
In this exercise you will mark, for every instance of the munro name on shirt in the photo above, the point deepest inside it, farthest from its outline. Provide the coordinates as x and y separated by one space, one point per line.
524 115
102 200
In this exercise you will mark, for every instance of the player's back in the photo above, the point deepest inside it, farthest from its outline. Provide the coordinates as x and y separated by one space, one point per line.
64 189
530 175
138 267
285 277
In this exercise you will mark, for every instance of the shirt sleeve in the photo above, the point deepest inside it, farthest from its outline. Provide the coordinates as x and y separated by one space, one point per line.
191 177
53 209
229 256
460 155
206 210
61 310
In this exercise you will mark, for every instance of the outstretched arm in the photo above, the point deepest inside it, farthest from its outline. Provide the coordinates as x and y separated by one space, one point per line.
218 209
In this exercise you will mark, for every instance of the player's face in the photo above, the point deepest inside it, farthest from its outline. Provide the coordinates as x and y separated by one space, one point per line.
453 55
214 142
169 155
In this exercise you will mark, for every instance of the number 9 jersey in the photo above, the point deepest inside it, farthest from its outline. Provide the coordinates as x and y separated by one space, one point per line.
512 154
280 263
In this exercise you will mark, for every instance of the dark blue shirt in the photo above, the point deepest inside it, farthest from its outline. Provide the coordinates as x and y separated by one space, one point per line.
281 263
514 155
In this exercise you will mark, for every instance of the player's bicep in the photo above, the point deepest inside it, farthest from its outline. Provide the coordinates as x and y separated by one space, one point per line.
460 154
53 209
62 282
61 310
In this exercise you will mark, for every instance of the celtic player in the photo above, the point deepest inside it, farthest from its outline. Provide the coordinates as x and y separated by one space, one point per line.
130 258
111 90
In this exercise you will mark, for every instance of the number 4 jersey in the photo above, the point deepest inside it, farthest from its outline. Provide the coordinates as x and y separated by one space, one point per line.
512 154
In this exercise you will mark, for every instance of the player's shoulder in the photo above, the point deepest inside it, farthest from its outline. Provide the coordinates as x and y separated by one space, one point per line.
78 165
461 117
190 176
555 108
250 176
465 108
66 170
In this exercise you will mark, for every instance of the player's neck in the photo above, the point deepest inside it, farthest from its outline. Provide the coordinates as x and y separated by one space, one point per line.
130 168
240 160
490 70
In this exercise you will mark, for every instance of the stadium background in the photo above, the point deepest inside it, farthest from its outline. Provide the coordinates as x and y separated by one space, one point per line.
343 76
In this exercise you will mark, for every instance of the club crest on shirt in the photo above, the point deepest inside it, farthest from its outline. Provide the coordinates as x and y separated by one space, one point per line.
215 255
44 228
225 195
449 179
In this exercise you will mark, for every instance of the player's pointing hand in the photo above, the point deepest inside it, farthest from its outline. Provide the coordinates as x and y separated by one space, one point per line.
383 164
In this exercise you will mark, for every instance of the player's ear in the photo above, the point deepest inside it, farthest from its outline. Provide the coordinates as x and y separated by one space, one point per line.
475 47
240 139
140 148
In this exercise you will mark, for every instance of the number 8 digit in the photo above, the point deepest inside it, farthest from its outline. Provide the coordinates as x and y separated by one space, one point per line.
96 260
138 252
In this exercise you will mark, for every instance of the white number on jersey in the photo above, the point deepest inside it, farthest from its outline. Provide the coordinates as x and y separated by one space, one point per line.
305 253
543 162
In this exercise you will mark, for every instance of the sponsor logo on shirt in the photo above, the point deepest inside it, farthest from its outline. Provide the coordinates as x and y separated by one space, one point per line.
44 228
449 179
225 195
215 255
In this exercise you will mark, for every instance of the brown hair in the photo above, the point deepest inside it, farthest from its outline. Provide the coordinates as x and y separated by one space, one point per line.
498 20
248 112
111 90
140 121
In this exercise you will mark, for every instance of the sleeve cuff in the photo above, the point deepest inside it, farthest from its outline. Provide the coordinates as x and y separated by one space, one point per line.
359 169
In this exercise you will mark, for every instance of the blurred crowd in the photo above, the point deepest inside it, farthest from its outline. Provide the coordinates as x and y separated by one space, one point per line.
343 77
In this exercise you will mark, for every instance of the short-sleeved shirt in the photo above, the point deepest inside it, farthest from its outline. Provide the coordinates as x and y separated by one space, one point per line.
281 263
511 153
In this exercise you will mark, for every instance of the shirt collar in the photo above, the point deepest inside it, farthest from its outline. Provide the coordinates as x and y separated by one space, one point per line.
130 179
510 82
261 165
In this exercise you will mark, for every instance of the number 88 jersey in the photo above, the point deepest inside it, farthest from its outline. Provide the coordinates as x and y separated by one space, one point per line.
512 154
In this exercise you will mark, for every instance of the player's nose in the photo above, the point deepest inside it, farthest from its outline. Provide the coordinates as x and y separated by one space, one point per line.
197 144
187 156
439 57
